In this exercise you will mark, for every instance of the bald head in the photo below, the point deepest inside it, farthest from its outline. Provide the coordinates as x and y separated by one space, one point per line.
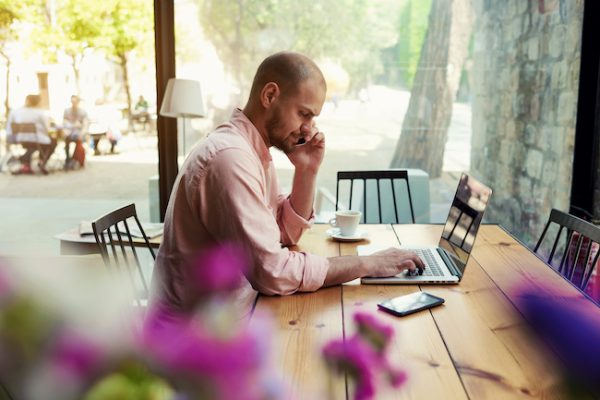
288 70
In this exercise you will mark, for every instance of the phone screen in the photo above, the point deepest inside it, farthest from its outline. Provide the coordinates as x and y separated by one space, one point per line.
410 303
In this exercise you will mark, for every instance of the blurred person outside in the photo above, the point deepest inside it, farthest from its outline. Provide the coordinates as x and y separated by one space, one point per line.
105 121
37 139
227 192
140 112
75 125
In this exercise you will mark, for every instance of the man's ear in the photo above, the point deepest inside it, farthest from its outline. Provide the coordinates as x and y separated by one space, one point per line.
269 94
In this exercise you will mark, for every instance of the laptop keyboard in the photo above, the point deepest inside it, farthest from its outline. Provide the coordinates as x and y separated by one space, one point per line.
432 268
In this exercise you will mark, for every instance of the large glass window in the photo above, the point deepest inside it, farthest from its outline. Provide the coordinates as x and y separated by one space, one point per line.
483 87
103 53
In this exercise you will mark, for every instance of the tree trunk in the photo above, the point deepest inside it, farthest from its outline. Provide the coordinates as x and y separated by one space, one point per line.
125 71
7 93
425 126
75 73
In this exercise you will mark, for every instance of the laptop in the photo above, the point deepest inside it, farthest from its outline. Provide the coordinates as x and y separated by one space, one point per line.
446 263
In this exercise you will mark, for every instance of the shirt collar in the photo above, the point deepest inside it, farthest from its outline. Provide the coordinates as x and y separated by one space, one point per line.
249 131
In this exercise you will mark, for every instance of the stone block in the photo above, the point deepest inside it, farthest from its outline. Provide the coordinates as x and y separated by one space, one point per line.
514 80
548 108
522 7
550 170
520 151
530 136
509 129
554 139
573 73
567 103
534 162
506 106
518 105
533 48
547 6
507 152
574 36
512 8
524 186
557 42
516 30
534 108
559 75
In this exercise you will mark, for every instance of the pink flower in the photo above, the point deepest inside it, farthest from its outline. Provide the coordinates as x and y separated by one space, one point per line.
76 355
395 376
357 359
233 367
571 327
373 331
363 356
220 268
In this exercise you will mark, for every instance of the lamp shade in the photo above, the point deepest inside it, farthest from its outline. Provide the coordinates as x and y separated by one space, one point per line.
183 98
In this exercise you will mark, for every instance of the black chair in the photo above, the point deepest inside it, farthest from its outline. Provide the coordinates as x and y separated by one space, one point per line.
377 193
114 237
575 247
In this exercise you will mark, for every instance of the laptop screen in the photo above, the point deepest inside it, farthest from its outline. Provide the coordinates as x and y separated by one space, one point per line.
464 218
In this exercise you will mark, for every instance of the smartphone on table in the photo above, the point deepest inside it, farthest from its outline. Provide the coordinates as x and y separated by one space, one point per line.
410 303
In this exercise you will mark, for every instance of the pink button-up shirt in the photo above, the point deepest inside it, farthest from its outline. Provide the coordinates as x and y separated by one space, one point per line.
227 191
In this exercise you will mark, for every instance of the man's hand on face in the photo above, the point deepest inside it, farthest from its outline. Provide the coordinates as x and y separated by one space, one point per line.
308 153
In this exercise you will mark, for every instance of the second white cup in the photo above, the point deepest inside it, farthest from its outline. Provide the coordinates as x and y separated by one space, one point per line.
347 221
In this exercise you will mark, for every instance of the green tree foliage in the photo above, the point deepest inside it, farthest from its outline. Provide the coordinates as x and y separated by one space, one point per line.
128 27
8 15
11 14
413 27
348 32
72 27
76 27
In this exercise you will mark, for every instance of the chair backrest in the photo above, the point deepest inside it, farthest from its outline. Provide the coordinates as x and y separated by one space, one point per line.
117 247
577 247
26 127
376 193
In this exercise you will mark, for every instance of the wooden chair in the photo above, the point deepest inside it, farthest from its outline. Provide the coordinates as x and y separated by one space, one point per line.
377 194
577 244
25 128
44 151
114 238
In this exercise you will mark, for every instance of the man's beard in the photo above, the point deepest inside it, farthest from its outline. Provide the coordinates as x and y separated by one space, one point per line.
273 125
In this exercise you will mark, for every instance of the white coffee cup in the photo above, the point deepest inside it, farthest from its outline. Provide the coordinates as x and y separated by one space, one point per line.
347 221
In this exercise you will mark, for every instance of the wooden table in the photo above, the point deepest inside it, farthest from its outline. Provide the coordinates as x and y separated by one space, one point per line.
474 346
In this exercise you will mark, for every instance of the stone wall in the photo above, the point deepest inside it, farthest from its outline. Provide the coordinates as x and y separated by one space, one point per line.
525 81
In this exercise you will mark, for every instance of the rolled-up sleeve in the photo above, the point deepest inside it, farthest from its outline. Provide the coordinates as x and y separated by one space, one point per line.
291 225
235 185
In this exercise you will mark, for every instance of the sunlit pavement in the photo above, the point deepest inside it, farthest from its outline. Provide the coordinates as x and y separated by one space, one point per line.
34 208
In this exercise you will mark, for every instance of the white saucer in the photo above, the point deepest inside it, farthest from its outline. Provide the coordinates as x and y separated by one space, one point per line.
334 233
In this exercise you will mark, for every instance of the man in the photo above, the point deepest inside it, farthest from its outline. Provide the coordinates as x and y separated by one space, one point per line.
28 126
140 112
75 123
227 192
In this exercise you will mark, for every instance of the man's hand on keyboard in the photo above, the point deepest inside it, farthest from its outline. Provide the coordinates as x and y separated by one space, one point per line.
391 262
